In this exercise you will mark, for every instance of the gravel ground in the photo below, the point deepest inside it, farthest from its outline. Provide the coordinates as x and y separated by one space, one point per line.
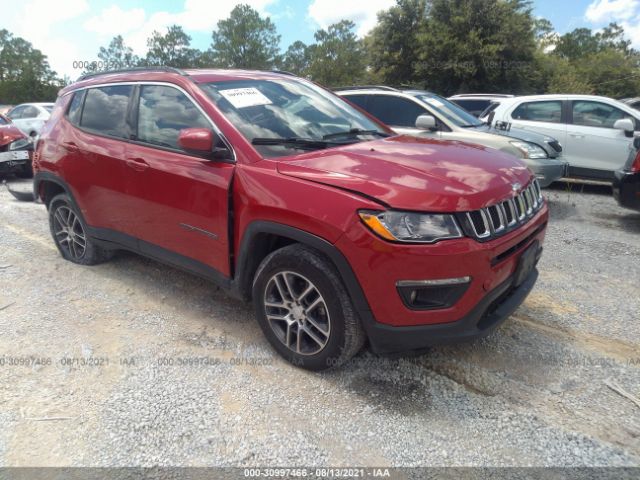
139 364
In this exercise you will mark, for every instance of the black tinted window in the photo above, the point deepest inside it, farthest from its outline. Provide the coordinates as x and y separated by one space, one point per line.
75 108
359 100
550 111
395 111
105 110
475 107
163 112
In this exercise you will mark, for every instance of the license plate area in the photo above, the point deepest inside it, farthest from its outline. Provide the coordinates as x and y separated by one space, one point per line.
526 263
14 155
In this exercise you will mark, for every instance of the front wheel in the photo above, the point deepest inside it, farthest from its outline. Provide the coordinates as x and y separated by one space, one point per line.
304 309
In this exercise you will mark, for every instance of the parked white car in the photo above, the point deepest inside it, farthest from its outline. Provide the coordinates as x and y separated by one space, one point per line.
30 117
596 133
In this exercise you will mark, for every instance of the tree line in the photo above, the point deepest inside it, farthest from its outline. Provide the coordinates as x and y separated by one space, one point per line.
446 46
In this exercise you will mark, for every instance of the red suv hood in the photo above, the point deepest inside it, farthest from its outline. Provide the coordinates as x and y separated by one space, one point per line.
9 133
414 173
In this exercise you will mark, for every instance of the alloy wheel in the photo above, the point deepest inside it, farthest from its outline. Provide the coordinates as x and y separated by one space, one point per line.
297 313
69 233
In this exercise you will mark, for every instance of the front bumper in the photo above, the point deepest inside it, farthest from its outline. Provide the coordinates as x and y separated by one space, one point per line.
14 161
548 170
626 189
488 314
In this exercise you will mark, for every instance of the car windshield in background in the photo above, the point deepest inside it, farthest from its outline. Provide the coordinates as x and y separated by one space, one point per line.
282 117
449 110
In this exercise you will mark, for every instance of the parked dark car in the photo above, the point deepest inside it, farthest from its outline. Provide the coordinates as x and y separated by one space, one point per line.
626 185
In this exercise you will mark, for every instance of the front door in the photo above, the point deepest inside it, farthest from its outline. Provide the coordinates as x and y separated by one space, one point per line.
593 147
180 200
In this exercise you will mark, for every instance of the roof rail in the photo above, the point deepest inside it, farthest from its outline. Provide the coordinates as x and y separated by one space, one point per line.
367 87
133 70
283 72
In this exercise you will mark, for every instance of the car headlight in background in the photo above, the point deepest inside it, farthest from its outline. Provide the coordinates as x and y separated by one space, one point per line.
410 226
530 150
18 144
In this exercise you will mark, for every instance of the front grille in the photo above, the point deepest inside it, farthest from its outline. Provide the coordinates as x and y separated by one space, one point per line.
555 145
498 219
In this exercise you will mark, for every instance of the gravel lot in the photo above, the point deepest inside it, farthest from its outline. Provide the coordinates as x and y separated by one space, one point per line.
140 365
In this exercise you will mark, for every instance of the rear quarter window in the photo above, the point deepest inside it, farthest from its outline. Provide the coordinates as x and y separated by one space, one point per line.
75 107
105 110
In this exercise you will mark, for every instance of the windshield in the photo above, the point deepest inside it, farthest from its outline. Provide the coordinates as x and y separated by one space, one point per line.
290 109
452 112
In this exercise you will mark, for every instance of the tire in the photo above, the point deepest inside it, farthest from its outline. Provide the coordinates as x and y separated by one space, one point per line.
298 295
68 230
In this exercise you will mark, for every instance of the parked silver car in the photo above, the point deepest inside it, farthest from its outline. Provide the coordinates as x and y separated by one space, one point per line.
30 117
596 132
421 113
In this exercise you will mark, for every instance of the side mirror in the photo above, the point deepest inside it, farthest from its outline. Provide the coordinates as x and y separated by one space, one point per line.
626 125
426 122
203 141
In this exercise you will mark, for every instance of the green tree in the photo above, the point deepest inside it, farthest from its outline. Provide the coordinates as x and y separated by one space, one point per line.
477 45
297 58
246 40
337 58
392 45
172 49
611 73
117 55
577 44
25 74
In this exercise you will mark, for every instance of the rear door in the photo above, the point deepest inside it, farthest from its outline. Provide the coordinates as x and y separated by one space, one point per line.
594 148
180 201
94 142
543 116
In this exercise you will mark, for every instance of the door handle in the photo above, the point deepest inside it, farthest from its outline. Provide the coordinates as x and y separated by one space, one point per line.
137 164
70 147
576 135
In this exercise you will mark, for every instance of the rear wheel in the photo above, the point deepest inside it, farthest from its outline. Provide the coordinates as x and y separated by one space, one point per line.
304 309
70 234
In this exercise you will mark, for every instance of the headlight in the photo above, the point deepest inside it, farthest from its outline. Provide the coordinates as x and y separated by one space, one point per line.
530 150
410 226
18 144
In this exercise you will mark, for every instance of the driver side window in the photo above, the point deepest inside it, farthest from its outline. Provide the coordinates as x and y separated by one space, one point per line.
597 114
164 111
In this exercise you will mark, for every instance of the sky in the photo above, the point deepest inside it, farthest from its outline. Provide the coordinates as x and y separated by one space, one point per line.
74 30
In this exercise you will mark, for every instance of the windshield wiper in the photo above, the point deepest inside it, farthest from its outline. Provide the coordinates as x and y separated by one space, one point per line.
354 132
295 142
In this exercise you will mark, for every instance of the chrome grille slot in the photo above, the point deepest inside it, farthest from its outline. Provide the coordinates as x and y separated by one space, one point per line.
479 223
510 212
528 201
521 209
496 217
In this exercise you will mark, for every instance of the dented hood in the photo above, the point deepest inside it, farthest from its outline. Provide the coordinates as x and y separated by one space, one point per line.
415 173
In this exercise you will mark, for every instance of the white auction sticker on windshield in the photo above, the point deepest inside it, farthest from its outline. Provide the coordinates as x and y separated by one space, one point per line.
245 97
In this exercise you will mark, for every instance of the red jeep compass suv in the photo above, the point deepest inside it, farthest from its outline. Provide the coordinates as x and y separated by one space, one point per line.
284 193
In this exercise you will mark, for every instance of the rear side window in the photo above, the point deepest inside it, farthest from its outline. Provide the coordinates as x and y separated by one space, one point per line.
75 108
30 112
549 111
395 111
164 111
105 110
